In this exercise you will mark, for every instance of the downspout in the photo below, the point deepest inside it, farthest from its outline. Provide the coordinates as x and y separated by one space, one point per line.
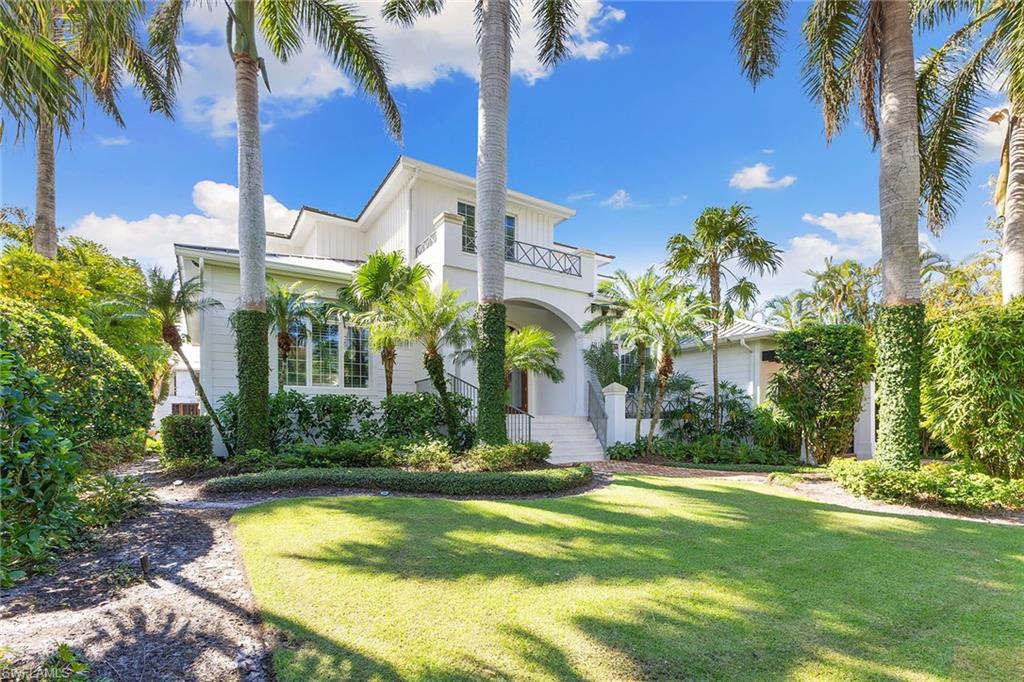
753 369
410 246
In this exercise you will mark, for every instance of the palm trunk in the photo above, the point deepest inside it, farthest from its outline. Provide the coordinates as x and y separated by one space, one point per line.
387 358
206 403
899 327
434 364
716 315
491 193
1013 220
44 234
664 373
251 342
642 363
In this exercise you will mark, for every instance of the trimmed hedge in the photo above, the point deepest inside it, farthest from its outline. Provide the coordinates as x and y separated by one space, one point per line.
187 437
899 335
102 395
455 484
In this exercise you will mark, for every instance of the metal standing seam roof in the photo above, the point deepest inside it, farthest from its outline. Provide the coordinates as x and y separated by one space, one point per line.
338 266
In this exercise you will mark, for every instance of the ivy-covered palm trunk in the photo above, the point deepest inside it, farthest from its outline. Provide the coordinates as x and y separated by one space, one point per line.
387 358
434 364
495 35
899 328
664 374
251 321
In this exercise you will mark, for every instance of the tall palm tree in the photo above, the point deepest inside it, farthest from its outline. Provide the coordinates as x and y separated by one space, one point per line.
677 320
844 292
629 317
345 37
288 309
497 21
102 45
724 244
435 320
384 277
864 49
953 84
167 302
788 312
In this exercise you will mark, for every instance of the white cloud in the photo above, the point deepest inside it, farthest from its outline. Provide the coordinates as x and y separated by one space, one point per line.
768 151
991 135
862 229
619 199
150 240
437 48
759 176
580 196
677 199
118 141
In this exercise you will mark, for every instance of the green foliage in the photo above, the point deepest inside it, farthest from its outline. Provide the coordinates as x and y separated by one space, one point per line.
821 384
507 457
48 284
339 417
63 665
951 485
899 333
104 454
773 429
102 396
252 355
973 387
453 483
603 359
624 451
187 437
105 500
37 469
421 415
430 455
707 449
491 325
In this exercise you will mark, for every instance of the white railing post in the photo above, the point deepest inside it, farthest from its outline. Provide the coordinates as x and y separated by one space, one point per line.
615 409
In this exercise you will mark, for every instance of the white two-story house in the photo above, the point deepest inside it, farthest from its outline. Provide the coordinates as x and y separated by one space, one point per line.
427 213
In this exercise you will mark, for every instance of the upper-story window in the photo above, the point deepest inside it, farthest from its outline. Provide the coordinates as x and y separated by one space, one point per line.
327 353
468 213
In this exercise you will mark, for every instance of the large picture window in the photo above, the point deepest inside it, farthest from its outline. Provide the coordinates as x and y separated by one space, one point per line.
468 213
327 354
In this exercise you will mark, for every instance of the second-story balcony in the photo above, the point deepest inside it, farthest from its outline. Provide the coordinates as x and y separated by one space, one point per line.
531 254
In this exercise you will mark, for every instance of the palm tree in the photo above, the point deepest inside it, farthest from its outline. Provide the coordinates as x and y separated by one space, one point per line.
346 39
864 49
167 302
435 320
102 45
844 292
527 349
677 320
382 278
788 312
628 315
723 239
289 309
497 21
953 84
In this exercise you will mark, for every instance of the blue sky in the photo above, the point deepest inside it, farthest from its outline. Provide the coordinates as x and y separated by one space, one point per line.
647 125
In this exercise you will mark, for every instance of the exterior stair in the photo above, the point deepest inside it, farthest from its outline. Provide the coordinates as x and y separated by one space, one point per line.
572 439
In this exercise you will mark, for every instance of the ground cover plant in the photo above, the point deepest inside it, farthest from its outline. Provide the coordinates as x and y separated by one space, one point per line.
647 578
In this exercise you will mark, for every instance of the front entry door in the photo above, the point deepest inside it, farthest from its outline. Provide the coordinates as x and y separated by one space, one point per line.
517 390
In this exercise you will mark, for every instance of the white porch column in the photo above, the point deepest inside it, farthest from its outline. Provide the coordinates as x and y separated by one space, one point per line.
581 376
615 408
864 428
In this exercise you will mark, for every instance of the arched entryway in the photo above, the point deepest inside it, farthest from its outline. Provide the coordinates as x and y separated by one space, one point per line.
537 394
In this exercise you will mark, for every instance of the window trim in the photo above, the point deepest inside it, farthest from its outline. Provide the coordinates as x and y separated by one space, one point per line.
510 249
340 384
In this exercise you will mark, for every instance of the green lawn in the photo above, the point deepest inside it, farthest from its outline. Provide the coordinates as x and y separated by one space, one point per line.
648 578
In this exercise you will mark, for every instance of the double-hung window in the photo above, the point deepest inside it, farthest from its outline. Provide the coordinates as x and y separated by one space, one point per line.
327 353
468 213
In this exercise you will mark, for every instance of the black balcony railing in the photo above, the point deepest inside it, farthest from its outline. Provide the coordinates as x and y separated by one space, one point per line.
518 422
531 254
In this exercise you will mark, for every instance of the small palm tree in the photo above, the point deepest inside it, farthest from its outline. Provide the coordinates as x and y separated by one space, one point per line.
628 315
435 320
288 309
527 349
102 42
724 243
382 278
681 318
168 302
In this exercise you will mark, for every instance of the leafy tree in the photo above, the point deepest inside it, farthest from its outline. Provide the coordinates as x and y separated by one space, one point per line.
789 312
724 243
288 309
844 293
345 37
609 368
435 320
384 277
497 22
168 302
864 50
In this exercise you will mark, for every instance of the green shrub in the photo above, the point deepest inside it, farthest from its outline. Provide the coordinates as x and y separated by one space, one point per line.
339 417
106 500
507 457
774 429
453 483
37 469
821 384
624 451
430 455
951 485
104 454
973 389
420 416
102 396
717 449
349 453
187 437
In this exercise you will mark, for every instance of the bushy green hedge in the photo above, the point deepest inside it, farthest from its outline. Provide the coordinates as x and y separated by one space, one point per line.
456 484
821 384
187 437
974 387
102 396
952 485
709 449
507 457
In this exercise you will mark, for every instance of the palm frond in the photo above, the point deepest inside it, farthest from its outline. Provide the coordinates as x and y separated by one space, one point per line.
832 32
757 33
405 12
554 20
279 24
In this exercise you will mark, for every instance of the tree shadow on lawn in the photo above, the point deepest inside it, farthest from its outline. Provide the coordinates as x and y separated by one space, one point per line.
745 581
